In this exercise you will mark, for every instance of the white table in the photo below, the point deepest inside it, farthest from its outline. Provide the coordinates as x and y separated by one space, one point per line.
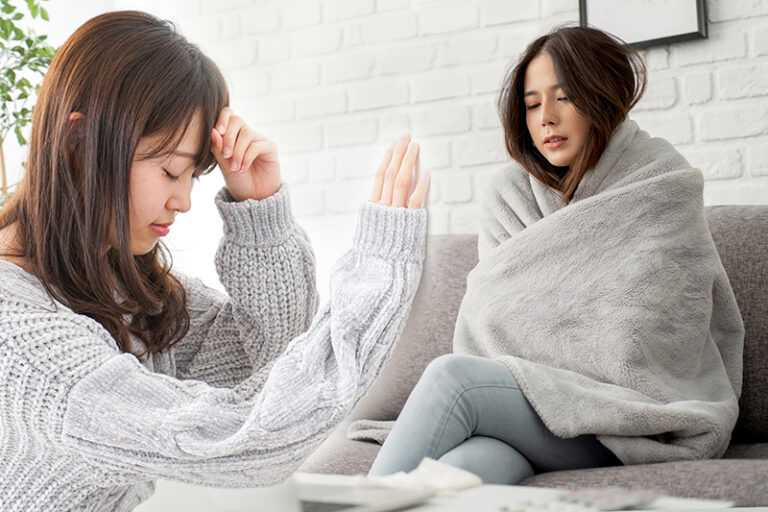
486 498
491 498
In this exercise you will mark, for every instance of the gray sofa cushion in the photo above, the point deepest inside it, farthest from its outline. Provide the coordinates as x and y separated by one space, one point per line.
740 480
429 330
340 456
741 237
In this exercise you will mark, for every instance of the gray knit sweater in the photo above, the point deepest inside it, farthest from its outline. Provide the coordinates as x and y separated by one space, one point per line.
239 402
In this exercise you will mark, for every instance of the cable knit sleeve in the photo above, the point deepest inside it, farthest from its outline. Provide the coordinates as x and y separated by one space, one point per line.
144 425
267 267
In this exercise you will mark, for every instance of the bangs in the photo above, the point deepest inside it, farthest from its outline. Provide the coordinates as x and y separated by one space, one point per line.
200 89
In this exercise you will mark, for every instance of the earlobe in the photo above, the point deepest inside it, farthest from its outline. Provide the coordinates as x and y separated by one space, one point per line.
75 116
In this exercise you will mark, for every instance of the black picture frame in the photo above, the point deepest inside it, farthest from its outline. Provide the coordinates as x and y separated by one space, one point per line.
640 42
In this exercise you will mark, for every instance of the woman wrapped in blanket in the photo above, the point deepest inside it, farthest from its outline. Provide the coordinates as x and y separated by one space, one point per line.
117 371
599 327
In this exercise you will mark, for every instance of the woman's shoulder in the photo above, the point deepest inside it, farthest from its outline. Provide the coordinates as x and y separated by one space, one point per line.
508 184
19 286
33 323
638 154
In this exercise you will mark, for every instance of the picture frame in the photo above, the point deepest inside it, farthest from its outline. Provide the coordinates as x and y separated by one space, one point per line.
645 23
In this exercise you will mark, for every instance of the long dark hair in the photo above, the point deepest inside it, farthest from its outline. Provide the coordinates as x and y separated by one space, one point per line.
602 76
131 75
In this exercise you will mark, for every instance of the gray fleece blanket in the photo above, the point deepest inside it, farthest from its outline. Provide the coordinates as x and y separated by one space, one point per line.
614 313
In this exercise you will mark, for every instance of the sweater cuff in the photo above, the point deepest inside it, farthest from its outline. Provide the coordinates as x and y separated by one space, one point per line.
252 222
391 232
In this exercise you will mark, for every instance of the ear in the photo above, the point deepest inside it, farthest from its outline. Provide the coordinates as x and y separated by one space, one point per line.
74 116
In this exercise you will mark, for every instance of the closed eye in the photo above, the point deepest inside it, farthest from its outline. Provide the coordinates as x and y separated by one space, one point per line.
170 176
564 98
532 106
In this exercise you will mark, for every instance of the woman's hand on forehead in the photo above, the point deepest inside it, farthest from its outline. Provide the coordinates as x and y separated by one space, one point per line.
247 159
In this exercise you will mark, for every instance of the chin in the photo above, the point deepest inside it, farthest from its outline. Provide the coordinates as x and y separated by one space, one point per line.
142 249
560 161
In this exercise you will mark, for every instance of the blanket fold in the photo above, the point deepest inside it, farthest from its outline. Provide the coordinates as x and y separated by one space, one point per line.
613 312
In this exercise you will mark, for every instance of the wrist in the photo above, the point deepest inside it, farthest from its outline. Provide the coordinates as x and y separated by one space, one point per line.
260 194
264 222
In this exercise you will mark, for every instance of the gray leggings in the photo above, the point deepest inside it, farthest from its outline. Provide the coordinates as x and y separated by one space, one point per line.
469 412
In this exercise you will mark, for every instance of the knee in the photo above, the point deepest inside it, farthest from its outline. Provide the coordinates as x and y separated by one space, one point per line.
457 367
448 374
445 367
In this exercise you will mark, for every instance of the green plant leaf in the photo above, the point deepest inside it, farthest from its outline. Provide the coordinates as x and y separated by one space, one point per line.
24 64
20 136
7 27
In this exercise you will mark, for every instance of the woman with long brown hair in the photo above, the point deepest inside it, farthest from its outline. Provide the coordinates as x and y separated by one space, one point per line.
599 326
117 370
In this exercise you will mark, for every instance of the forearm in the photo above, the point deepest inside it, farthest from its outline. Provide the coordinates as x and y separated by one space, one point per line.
260 431
266 264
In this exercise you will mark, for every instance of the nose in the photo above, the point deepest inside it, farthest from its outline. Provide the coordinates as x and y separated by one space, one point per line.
181 197
548 113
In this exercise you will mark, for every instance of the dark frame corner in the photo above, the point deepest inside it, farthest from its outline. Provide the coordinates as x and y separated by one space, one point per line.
701 33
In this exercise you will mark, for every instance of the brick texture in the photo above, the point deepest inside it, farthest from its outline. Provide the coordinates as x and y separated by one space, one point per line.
334 82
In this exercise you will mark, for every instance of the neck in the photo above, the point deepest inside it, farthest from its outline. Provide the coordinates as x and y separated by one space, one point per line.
10 248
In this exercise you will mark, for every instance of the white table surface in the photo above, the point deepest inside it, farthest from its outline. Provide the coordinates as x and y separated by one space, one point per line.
174 496
492 498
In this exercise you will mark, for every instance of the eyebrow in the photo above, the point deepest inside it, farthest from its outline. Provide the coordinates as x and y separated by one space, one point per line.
552 88
184 154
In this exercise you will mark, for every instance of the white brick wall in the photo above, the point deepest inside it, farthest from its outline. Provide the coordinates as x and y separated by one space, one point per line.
334 82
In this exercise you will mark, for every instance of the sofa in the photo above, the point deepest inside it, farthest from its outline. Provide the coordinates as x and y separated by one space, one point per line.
740 234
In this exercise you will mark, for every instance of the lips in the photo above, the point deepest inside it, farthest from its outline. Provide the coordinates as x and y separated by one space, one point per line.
554 141
161 229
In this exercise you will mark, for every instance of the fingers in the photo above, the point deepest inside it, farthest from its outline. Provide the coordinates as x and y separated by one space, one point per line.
419 195
395 174
256 149
231 135
217 142
223 121
237 146
393 169
378 179
244 140
402 186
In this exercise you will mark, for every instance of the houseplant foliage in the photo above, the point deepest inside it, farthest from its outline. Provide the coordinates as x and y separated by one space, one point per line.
24 58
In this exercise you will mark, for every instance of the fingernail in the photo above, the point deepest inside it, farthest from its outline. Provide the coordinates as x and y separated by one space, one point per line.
413 146
235 167
227 152
221 129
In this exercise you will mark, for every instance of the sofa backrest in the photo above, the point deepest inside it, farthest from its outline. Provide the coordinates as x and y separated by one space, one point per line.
428 333
741 237
740 234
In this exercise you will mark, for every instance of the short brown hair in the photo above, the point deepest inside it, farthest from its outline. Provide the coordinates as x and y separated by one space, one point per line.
131 75
602 76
